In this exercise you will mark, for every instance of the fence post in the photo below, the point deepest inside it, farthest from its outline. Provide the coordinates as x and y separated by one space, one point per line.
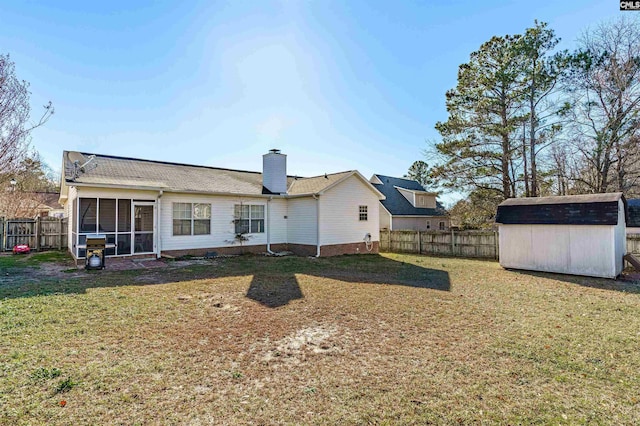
37 231
453 244
59 227
419 243
495 244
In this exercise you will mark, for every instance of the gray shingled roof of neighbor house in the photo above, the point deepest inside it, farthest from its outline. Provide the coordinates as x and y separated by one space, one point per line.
132 172
397 204
634 213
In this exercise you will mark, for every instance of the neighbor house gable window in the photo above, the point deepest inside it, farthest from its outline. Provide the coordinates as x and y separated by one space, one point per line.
191 219
428 224
441 226
363 212
248 218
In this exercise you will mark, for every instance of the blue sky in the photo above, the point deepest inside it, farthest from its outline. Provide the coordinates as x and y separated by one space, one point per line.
336 85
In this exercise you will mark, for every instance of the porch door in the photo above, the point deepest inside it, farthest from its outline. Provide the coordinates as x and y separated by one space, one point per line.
143 229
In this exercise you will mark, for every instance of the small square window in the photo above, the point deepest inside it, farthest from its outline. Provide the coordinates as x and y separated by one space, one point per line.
428 224
364 212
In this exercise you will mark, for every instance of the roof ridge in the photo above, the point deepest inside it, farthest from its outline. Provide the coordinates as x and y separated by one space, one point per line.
326 174
170 163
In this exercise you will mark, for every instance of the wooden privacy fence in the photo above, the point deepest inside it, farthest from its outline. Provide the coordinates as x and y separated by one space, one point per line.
478 244
474 244
43 233
633 244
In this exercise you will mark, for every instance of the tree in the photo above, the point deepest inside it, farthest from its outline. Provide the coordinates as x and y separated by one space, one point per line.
15 126
604 85
420 172
541 72
477 211
478 140
34 184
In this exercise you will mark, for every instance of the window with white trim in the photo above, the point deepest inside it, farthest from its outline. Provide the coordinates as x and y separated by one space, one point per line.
249 218
191 219
441 226
363 213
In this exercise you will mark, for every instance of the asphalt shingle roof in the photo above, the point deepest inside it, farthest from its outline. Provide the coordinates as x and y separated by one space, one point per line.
589 209
397 204
133 172
315 184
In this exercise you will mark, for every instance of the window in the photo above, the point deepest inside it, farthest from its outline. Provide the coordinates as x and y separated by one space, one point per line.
441 226
248 219
428 224
191 219
364 212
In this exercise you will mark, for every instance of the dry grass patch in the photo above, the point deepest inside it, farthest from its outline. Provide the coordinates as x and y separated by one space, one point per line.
369 339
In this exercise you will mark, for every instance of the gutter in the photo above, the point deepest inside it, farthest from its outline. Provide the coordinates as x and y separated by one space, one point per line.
157 221
317 198
269 225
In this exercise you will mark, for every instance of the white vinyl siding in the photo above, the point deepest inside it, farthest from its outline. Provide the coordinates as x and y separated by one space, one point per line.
302 221
222 222
339 219
276 223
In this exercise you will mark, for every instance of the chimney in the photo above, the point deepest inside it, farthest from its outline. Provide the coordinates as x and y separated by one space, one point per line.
274 171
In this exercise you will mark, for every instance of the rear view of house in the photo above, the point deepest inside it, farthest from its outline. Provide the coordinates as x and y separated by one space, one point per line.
408 206
150 208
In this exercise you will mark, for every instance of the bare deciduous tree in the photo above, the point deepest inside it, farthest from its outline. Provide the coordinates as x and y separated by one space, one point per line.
15 124
605 86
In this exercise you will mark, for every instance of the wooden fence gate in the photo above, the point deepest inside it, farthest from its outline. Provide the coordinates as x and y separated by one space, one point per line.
43 233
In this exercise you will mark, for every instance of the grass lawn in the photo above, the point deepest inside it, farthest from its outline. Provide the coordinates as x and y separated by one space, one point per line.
350 340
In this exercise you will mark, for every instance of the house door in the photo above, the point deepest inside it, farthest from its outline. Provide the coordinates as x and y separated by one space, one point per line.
144 241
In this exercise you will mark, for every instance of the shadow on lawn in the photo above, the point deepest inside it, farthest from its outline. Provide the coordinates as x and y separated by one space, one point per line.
279 289
274 281
621 284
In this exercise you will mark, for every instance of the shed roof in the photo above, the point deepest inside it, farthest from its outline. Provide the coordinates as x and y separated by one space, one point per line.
590 209
397 204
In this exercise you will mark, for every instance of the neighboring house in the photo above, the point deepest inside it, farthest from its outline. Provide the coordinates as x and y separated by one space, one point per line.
408 206
633 227
149 207
19 204
572 234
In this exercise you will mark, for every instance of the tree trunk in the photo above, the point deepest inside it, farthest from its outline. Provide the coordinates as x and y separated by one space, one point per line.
524 159
532 133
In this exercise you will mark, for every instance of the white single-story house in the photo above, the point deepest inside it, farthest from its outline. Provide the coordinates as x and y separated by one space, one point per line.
408 206
574 234
633 226
150 208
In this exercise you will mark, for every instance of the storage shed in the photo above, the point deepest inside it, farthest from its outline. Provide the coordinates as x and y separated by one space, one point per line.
575 234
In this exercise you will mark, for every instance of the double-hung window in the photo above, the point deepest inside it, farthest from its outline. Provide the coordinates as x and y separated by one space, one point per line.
249 218
191 219
363 213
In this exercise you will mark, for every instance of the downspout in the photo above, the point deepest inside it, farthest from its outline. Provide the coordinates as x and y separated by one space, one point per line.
269 225
157 224
317 198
